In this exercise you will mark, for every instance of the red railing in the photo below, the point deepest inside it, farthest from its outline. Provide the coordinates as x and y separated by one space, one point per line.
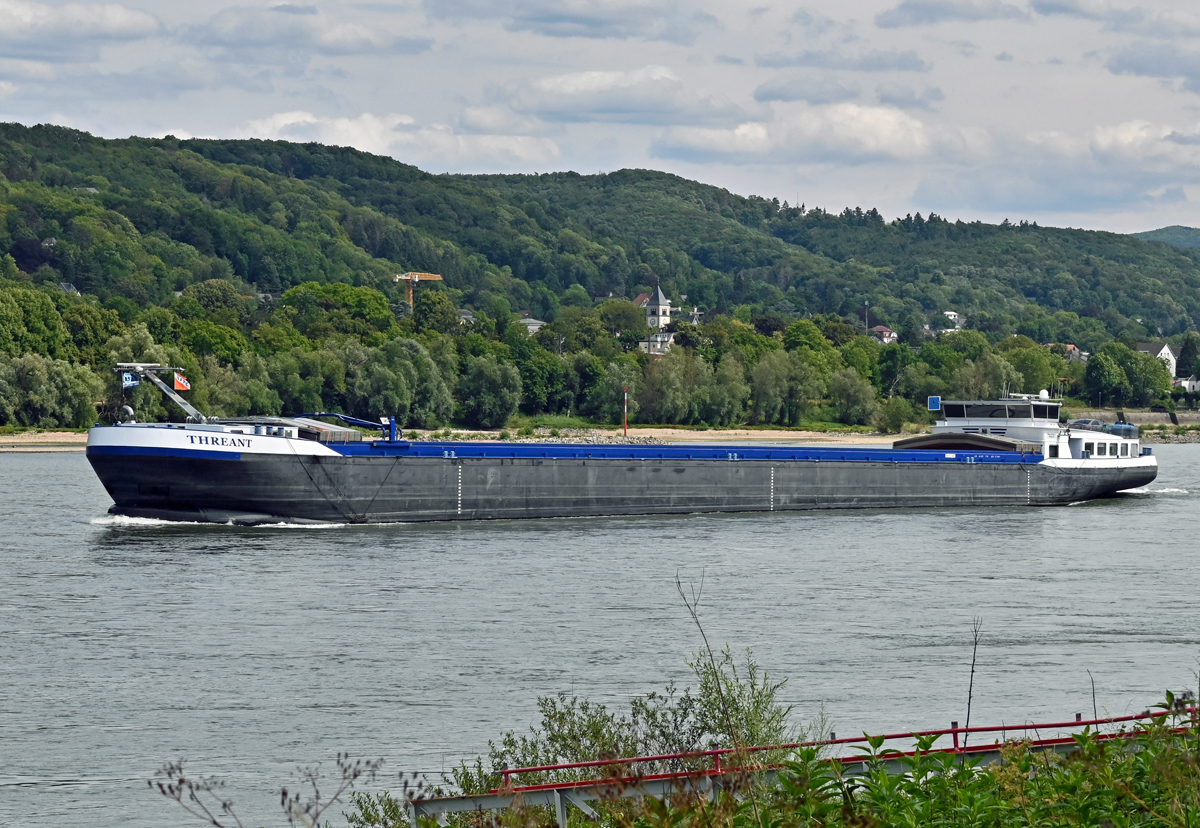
715 754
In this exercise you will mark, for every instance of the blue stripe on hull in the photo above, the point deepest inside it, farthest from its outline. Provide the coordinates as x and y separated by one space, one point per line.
566 451
158 451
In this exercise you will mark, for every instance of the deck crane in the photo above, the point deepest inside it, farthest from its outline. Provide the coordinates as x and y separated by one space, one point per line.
412 279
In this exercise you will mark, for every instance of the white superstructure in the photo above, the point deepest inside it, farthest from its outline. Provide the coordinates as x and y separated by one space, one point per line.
1031 419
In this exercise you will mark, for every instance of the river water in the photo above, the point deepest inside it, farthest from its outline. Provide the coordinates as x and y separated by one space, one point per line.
251 651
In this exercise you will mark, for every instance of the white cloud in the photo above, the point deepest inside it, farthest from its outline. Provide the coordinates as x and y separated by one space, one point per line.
72 32
847 132
289 34
1131 165
649 95
876 60
400 136
1158 23
812 89
622 19
7 88
930 12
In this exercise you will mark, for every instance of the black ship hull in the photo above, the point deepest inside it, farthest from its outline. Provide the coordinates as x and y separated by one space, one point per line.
267 488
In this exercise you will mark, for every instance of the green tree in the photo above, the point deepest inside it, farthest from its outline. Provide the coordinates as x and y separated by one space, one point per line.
1189 350
607 399
208 339
576 296
986 378
433 310
1105 381
724 398
47 393
666 392
853 397
969 344
621 318
488 392
222 300
1038 367
893 414
784 388
90 327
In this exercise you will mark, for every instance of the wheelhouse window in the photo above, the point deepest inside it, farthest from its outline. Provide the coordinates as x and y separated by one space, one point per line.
953 409
987 410
1019 411
1041 412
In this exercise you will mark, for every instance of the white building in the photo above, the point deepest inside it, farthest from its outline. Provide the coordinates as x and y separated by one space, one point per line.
954 319
1163 351
658 310
532 325
657 344
885 335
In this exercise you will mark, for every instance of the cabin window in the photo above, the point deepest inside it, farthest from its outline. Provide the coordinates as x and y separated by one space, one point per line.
1124 449
991 411
952 410
1089 447
1101 449
1112 449
1054 451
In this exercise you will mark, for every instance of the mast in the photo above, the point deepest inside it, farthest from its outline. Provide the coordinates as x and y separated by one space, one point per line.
146 370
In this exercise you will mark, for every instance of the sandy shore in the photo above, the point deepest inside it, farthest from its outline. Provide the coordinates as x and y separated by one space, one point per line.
70 441
43 441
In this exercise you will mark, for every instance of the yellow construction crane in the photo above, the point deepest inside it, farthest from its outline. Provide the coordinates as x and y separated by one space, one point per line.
412 279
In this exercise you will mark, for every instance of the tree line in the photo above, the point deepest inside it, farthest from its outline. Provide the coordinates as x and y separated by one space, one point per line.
350 349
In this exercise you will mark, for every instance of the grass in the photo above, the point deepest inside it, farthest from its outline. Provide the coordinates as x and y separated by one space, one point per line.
12 429
559 421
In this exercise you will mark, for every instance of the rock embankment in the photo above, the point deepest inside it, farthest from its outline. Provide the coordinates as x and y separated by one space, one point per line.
1156 437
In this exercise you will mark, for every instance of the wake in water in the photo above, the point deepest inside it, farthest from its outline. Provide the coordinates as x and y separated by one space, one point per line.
125 520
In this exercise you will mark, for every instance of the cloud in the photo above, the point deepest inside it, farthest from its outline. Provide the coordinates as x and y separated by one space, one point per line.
906 97
291 34
649 95
1123 166
1004 57
805 88
1158 61
401 137
1166 25
930 12
620 19
845 132
873 61
73 32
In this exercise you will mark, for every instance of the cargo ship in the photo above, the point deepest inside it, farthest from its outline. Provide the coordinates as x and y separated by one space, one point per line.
302 469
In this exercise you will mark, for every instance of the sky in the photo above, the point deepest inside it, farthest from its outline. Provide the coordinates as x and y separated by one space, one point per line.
1080 113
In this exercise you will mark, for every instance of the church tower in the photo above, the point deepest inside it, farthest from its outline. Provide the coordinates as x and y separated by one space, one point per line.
658 310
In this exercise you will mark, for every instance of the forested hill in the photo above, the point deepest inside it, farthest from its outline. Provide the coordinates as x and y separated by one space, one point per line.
169 212
1176 235
264 269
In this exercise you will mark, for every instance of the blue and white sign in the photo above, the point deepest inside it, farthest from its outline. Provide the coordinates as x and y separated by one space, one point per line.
129 380
935 403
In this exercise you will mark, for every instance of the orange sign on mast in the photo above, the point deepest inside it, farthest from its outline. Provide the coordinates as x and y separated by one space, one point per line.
412 279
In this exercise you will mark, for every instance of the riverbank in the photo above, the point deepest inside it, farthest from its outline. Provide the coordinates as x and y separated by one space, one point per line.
43 441
31 441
